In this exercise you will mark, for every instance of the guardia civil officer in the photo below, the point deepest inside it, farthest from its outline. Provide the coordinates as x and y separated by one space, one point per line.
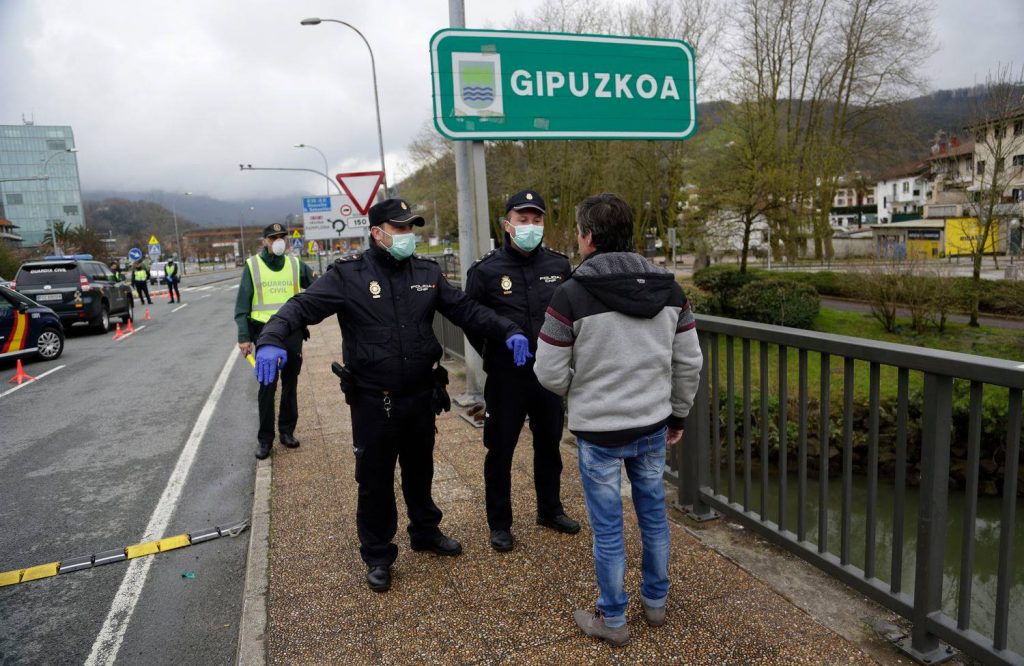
140 280
269 279
385 299
172 273
517 281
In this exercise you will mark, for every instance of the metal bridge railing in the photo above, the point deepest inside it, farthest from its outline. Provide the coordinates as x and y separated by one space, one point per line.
778 417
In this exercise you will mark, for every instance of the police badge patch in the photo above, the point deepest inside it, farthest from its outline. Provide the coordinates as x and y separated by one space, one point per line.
374 288
506 285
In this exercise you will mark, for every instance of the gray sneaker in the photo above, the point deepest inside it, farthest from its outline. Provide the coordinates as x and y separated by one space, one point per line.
655 616
593 624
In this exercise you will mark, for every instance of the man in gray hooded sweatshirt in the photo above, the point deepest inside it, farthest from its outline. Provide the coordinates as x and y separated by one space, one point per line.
619 340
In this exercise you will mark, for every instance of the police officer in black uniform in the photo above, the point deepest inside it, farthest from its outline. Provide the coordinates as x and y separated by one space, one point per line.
385 299
517 281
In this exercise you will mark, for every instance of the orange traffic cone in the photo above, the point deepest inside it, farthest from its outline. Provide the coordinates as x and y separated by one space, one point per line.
20 376
131 329
147 317
118 334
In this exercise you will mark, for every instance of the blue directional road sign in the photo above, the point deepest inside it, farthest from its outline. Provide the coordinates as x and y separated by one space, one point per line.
135 254
316 204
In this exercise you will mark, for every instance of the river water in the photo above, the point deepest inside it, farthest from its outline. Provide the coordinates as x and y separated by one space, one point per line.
986 553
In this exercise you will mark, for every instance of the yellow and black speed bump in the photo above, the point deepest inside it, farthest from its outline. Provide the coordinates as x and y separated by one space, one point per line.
128 553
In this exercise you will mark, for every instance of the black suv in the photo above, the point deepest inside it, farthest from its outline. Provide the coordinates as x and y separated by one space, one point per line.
79 290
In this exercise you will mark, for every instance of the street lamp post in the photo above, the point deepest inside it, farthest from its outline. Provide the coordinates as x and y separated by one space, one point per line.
326 168
177 236
249 167
49 203
376 96
241 233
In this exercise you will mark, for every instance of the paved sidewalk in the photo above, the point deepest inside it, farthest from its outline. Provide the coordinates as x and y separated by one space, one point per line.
485 607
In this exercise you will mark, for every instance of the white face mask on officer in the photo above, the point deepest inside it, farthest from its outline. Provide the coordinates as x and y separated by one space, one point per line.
278 246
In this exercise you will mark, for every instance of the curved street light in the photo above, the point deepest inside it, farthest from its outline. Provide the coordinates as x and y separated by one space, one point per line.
376 96
326 168
177 237
249 167
49 203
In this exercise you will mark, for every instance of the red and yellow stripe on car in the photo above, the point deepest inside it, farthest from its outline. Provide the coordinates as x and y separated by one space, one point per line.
17 340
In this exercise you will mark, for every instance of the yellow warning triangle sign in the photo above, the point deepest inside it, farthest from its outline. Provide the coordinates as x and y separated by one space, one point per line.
153 240
296 234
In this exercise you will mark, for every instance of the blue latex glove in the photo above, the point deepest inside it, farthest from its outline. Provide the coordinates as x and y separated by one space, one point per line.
520 348
268 359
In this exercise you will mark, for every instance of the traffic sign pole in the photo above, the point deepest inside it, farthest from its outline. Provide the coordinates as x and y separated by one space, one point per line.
471 186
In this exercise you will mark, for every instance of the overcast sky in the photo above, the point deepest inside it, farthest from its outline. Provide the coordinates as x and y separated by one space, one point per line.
175 95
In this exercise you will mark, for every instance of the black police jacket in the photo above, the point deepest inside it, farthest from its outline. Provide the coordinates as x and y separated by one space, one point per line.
386 311
517 286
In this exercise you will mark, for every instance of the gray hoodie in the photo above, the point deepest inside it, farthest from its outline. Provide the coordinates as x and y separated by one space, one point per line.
620 341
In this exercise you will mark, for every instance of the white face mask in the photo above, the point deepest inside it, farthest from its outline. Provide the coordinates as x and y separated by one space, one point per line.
277 247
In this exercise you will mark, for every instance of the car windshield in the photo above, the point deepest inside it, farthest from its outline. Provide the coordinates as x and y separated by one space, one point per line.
32 275
159 266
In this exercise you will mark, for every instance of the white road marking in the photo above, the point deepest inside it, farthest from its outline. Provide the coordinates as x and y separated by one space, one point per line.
108 642
183 305
31 381
130 333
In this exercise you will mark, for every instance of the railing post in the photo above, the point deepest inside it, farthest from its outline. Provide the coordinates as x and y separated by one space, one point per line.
696 452
932 515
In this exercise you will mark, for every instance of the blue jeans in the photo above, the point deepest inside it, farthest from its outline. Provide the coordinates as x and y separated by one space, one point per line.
600 474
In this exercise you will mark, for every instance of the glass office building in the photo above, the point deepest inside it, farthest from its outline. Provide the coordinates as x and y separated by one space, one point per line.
27 153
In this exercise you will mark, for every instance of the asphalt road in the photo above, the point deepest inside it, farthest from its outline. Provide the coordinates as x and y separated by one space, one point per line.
86 454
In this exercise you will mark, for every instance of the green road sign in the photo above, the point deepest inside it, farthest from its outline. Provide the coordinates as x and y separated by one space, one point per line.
493 84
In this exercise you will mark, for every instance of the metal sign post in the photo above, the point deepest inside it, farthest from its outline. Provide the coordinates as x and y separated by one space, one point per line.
470 192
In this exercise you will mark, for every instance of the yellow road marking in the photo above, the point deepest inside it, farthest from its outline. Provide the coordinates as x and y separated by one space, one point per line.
11 577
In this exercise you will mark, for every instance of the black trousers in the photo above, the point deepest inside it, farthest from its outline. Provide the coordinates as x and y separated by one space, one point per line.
511 395
288 377
172 287
382 437
142 288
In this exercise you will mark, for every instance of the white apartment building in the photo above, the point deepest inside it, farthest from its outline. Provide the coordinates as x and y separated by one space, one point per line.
853 203
903 191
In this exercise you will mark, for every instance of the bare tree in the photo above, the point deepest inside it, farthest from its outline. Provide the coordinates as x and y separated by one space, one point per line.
997 126
818 71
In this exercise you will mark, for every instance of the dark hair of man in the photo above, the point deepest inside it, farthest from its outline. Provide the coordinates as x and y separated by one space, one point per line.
609 220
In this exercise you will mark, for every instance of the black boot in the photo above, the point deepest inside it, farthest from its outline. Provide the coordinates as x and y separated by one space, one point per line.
379 578
289 441
263 449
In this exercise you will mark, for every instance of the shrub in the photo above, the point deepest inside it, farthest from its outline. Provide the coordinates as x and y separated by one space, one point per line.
10 261
701 302
780 302
826 283
723 283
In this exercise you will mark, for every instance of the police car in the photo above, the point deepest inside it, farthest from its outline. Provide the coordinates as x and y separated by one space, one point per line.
80 290
27 328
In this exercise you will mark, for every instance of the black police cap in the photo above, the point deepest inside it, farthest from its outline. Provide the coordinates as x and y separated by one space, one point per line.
525 199
394 211
275 229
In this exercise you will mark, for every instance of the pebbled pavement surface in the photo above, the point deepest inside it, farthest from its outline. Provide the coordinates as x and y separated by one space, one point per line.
486 607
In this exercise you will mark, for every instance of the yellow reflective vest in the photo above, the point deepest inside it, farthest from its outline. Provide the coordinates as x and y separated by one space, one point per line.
271 289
